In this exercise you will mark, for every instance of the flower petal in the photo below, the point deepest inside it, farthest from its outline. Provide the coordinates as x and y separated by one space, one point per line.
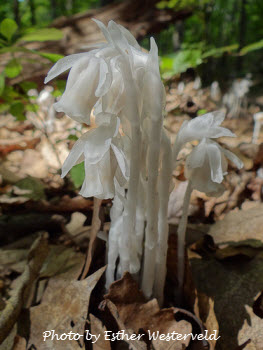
64 64
233 158
214 156
74 156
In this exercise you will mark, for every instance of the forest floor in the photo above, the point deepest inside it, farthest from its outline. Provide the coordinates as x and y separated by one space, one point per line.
224 282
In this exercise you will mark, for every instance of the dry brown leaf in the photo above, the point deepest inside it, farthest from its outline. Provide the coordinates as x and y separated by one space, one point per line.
251 330
20 143
64 308
204 309
98 329
19 343
76 224
134 314
239 226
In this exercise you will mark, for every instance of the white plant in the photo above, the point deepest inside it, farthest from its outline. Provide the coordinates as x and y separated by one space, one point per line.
128 156
205 167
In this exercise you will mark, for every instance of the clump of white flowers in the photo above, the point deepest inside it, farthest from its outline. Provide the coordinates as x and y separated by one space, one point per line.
205 166
128 156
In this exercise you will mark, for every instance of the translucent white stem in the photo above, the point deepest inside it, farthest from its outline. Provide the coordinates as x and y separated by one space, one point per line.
163 228
181 237
140 220
128 254
114 234
151 236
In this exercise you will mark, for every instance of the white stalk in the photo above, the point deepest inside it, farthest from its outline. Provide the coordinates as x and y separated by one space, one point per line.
152 207
181 237
129 259
163 228
140 220
114 233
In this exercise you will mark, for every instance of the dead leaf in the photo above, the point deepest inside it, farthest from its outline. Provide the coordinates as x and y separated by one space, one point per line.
135 315
76 224
64 308
231 284
251 330
62 260
19 343
98 329
204 309
20 143
238 226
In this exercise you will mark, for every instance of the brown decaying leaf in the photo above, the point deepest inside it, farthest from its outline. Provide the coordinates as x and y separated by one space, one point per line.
64 308
239 226
18 299
251 330
19 343
135 315
204 309
98 329
21 143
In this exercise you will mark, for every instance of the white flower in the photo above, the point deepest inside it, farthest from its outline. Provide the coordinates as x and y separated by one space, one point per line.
101 150
207 125
93 73
206 167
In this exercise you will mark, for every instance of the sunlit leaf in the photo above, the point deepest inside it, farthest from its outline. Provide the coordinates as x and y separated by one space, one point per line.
28 85
32 107
52 57
17 110
13 68
43 35
8 28
219 51
77 174
2 82
252 47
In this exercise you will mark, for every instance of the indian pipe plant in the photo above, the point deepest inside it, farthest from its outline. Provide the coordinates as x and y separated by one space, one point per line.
128 156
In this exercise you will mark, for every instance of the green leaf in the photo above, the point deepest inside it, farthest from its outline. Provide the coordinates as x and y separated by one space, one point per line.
52 57
34 185
13 68
44 35
219 51
4 107
201 111
17 110
8 28
2 82
252 47
77 174
32 107
28 85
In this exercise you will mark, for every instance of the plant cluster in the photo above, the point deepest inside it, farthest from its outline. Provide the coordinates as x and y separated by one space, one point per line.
128 156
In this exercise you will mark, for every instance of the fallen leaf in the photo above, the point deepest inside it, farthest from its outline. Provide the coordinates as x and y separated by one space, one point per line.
238 226
251 330
76 224
231 284
204 309
64 308
135 315
98 329
62 260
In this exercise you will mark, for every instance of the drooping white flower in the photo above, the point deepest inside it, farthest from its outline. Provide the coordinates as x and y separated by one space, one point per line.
207 125
104 160
93 73
206 167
